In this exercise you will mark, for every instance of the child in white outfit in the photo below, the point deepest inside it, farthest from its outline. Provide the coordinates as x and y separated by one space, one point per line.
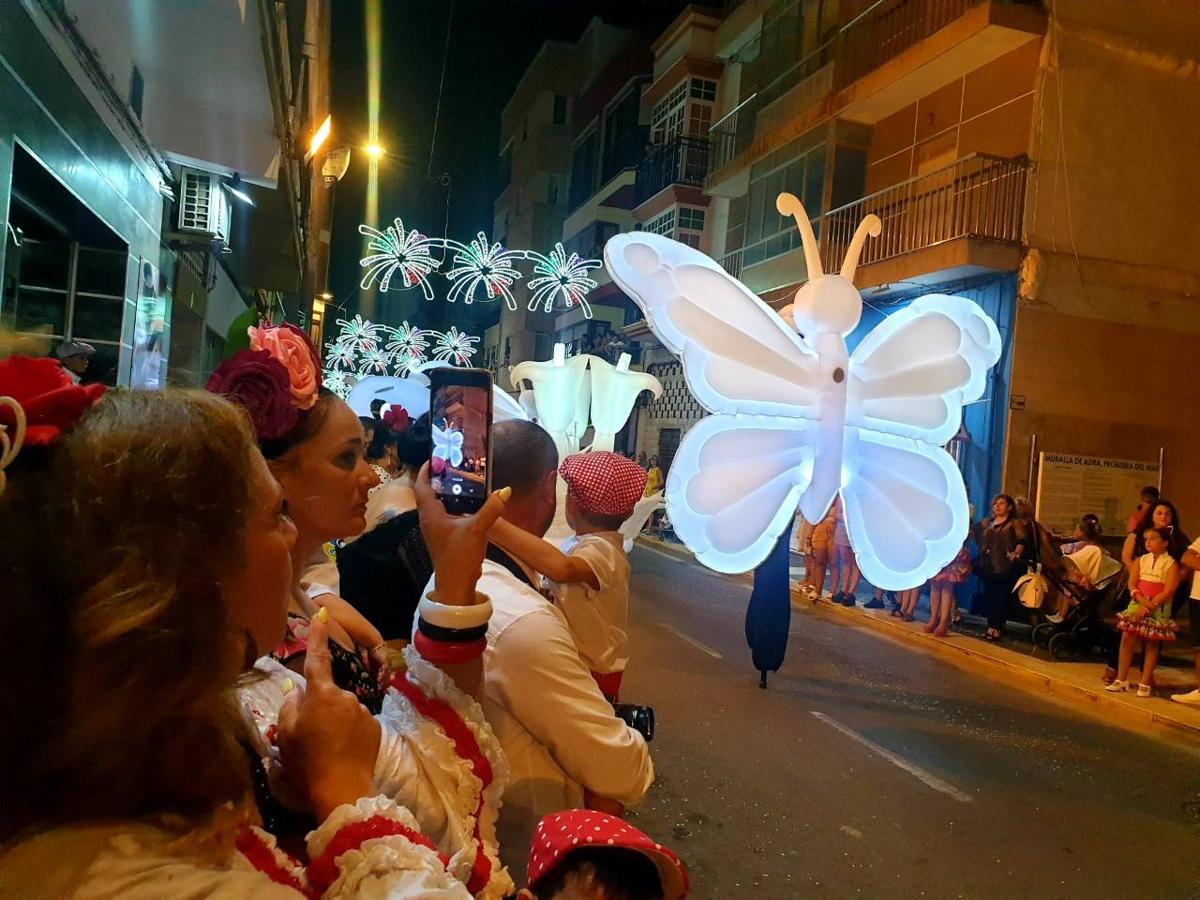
590 582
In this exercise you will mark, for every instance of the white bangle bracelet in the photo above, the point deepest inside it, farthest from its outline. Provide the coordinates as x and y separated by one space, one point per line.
458 618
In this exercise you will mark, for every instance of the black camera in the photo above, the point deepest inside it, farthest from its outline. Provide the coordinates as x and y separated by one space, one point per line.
639 718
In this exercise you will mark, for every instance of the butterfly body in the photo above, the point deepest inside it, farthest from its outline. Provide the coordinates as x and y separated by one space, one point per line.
798 419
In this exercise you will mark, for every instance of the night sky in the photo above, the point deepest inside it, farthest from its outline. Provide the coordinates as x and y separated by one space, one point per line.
490 45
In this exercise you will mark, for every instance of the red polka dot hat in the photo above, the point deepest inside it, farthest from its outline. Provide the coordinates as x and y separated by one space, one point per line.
572 829
603 483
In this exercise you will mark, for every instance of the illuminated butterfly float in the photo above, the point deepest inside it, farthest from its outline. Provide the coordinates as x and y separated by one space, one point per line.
800 420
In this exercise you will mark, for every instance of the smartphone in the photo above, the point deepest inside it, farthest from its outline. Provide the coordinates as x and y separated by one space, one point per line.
460 417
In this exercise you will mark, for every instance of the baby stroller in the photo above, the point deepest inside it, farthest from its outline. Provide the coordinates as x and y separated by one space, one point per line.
1095 584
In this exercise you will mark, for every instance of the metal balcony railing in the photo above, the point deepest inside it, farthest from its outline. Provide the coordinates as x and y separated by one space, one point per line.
733 133
888 28
681 160
979 196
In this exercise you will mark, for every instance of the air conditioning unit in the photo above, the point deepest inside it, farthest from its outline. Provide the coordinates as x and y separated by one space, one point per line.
203 205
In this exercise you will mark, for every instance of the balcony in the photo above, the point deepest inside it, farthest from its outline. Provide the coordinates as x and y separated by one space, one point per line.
681 160
951 219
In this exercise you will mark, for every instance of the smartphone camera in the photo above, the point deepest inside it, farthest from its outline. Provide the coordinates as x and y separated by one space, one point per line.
460 418
639 718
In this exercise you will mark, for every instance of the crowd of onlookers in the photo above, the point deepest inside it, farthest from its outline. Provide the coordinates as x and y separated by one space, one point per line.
1013 569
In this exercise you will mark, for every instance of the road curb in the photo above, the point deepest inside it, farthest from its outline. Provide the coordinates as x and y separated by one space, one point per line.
959 651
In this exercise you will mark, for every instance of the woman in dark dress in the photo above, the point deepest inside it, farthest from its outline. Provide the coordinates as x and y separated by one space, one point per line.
1002 543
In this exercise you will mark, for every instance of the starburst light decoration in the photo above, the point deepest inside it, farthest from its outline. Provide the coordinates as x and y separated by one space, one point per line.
559 275
455 346
407 347
359 334
397 252
482 265
364 348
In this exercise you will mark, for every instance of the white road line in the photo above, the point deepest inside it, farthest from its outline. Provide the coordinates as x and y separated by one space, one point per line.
703 648
917 772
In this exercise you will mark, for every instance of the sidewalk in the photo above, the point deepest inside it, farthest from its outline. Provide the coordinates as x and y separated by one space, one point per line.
1016 662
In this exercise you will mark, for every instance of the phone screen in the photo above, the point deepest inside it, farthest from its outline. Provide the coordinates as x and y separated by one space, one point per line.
460 416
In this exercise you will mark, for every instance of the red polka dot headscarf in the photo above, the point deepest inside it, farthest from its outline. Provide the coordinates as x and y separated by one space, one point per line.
573 829
603 483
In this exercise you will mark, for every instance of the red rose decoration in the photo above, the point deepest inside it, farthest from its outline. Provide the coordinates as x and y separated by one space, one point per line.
396 419
47 395
259 383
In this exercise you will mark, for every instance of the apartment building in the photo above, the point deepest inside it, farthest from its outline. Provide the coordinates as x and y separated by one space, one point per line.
1033 156
154 183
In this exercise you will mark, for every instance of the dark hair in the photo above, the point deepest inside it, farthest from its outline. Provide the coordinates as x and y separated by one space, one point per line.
310 422
414 444
1007 498
1090 526
1177 541
116 687
1150 492
381 438
1164 533
522 454
615 873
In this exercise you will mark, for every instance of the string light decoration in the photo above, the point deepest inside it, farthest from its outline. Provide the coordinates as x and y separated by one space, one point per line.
558 275
398 252
407 347
479 270
482 265
455 347
363 348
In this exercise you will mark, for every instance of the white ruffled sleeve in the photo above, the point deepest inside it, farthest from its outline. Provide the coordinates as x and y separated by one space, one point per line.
375 849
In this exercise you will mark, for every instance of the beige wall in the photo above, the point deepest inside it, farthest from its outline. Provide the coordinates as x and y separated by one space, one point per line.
987 111
1107 337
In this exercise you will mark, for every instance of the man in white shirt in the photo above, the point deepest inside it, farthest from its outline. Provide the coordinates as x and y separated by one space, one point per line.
565 746
1191 560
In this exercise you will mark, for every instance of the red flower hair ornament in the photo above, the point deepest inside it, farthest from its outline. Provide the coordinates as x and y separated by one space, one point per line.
37 401
396 419
272 381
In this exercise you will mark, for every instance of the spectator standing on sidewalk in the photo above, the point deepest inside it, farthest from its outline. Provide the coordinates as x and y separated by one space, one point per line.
1002 542
1191 562
821 539
941 592
1146 502
1147 619
848 573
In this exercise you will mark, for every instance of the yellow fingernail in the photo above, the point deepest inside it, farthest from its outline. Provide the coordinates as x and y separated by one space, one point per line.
322 615
505 492
287 686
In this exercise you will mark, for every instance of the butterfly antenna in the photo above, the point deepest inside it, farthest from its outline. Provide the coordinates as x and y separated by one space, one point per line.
790 205
870 225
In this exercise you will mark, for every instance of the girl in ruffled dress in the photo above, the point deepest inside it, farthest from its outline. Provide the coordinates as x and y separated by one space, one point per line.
1147 619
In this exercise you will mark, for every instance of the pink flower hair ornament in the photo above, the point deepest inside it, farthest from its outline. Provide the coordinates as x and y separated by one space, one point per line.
273 381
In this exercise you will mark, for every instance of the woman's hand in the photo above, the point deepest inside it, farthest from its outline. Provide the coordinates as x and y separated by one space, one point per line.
456 543
327 740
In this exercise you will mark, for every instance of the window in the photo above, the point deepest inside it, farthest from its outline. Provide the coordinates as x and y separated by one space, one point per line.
624 138
703 89
767 233
505 173
137 91
583 170
663 223
552 190
560 109
666 120
690 218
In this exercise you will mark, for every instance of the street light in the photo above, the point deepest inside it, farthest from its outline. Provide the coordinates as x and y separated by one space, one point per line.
234 186
375 151
319 137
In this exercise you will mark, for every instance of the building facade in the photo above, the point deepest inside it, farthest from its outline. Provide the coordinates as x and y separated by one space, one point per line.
153 183
982 134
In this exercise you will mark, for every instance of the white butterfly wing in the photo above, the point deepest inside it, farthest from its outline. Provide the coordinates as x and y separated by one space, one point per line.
734 485
912 374
738 355
905 508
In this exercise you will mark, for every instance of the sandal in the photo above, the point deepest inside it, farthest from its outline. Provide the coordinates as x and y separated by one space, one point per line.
906 617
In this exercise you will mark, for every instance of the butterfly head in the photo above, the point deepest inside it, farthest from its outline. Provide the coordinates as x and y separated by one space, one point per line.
826 303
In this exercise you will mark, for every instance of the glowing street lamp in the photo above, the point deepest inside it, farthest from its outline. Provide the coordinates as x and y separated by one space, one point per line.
319 137
375 151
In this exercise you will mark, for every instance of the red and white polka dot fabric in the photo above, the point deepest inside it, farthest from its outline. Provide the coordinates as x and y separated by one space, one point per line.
572 829
603 483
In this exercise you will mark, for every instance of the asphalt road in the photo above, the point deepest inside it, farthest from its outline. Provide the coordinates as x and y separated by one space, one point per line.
868 769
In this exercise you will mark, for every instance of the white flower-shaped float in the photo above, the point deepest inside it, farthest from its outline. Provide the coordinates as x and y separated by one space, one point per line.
558 386
614 391
447 445
798 419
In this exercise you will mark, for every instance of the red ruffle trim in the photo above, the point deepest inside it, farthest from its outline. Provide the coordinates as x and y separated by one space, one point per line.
467 748
322 871
251 845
